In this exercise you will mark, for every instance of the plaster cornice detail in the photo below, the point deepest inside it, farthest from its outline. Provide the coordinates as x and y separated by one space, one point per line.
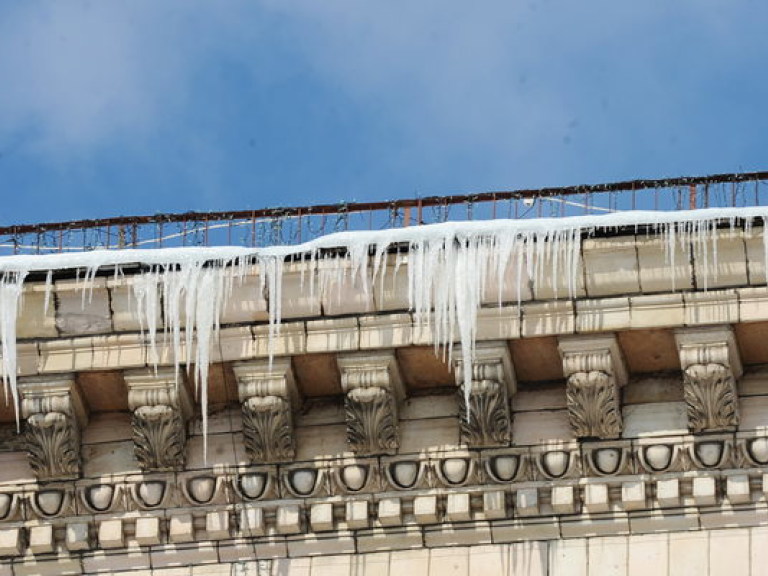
55 416
594 369
711 365
372 389
484 415
561 485
268 395
161 406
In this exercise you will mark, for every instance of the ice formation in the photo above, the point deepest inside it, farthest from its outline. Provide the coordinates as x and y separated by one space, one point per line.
447 265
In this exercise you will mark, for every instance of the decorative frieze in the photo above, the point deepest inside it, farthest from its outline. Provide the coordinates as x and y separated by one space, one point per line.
161 405
595 371
484 415
546 466
711 364
212 506
55 416
372 388
268 395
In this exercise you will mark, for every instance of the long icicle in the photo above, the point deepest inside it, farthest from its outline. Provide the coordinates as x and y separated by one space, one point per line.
448 266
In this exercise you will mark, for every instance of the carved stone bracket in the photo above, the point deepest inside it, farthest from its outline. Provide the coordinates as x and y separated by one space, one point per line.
484 415
161 408
711 364
55 415
268 395
595 371
372 387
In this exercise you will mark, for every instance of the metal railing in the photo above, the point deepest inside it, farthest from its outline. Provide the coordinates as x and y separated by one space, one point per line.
281 226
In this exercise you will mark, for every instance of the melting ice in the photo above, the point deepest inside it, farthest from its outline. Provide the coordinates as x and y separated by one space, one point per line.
448 266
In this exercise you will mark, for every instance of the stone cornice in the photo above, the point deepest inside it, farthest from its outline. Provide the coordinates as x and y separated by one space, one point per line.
711 364
126 350
55 416
268 394
372 390
569 490
363 462
594 369
161 405
484 414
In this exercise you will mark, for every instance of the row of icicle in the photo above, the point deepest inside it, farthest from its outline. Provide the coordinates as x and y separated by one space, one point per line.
448 266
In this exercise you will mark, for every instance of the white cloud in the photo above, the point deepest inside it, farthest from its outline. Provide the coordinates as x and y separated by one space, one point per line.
508 80
77 75
527 83
71 76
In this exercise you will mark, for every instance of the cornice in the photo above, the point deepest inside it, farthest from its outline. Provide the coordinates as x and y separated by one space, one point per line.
372 331
569 490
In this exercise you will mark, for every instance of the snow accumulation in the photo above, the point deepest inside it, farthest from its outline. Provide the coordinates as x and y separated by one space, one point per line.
448 265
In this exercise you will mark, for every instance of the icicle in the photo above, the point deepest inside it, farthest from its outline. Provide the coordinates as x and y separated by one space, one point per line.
11 293
48 290
448 268
146 293
765 247
207 305
272 273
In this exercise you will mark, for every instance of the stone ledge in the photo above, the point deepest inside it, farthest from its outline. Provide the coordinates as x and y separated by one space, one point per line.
573 490
242 342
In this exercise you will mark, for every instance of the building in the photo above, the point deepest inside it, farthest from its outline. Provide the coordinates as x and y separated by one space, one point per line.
608 415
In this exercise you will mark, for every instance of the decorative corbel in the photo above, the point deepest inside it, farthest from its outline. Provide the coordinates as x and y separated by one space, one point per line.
595 371
268 395
161 406
711 365
484 415
55 416
372 388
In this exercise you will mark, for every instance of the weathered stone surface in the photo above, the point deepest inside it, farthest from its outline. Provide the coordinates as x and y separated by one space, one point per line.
595 370
484 414
55 416
711 365
160 408
463 480
373 389
268 395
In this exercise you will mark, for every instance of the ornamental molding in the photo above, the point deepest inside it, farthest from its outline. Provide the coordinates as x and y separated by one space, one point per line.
593 404
552 487
268 394
54 415
595 371
372 389
161 406
484 416
711 365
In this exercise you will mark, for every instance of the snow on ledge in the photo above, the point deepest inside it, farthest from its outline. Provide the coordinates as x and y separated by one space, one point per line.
447 268
541 228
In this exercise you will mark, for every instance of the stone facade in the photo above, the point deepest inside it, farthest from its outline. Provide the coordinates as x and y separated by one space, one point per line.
622 431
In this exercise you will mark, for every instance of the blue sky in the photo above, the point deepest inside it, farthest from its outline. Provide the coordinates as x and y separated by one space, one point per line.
119 107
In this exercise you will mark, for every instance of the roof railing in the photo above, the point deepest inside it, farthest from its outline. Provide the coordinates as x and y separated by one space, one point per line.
294 225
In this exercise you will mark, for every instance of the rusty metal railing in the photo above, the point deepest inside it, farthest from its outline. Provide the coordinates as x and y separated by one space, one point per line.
280 226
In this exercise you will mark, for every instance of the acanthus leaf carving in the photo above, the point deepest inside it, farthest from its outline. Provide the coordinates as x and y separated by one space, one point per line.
371 421
161 407
595 370
159 437
53 445
55 415
268 429
372 386
711 364
593 405
711 398
268 393
485 421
